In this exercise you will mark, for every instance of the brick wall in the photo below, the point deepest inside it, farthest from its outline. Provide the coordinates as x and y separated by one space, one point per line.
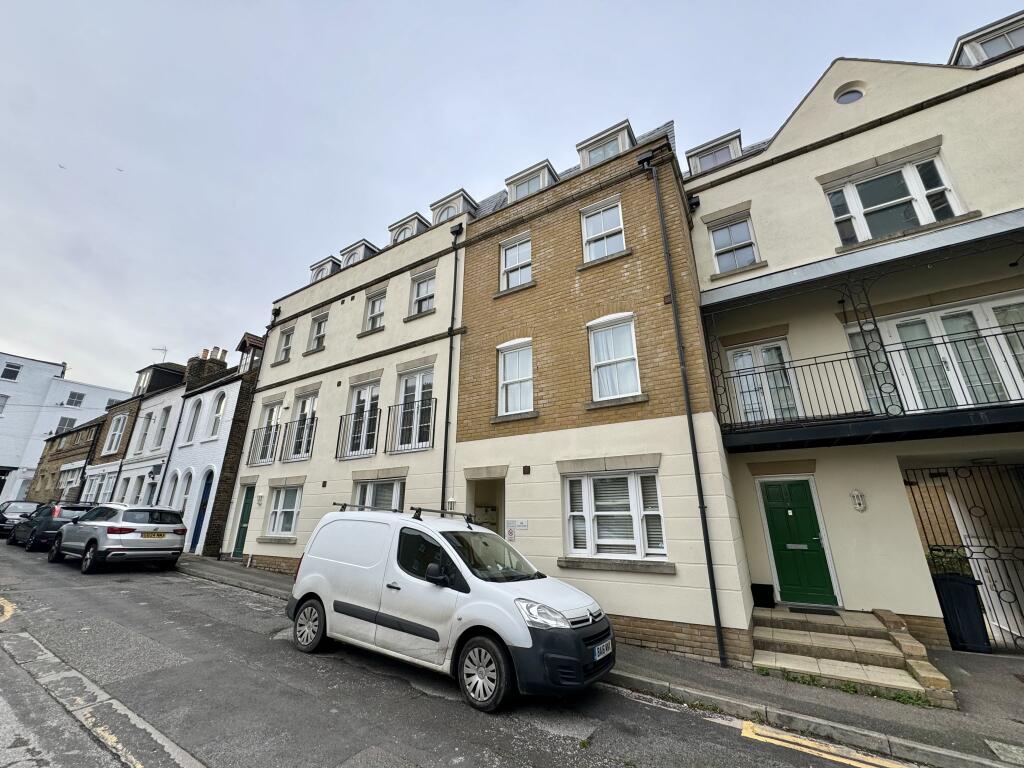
928 630
695 641
127 407
555 311
44 483
276 564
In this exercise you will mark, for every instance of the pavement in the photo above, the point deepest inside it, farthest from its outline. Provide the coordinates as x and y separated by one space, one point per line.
151 669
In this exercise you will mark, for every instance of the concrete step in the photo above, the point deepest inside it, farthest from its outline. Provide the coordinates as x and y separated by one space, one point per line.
825 645
854 623
853 677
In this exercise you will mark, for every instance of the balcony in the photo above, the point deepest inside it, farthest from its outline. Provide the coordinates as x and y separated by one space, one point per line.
263 446
933 386
297 444
411 426
357 434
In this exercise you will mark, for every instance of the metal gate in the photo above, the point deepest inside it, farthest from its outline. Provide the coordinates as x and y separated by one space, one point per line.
971 521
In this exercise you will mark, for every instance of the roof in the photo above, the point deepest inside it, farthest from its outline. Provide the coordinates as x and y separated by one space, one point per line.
79 427
250 340
175 367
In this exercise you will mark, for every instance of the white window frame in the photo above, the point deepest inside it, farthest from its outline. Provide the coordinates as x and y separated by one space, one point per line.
591 160
79 397
284 344
713 153
274 527
319 274
730 222
115 434
67 427
443 215
644 551
514 243
161 430
402 234
600 208
431 297
758 381
538 177
1005 33
147 422
918 196
143 381
374 319
318 332
605 323
510 347
217 416
364 491
193 422
13 368
3 403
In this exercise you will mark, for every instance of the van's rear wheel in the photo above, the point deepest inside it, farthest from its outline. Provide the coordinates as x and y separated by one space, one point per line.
484 674
310 626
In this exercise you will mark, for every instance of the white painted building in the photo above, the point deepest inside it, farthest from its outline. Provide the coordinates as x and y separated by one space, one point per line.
37 402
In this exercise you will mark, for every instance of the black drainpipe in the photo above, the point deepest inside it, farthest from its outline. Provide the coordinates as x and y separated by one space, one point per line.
456 231
645 161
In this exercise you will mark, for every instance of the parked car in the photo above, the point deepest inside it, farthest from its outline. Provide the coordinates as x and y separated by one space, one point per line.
113 533
449 596
37 529
11 513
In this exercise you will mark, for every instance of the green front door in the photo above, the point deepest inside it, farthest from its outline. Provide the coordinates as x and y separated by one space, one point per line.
243 520
796 543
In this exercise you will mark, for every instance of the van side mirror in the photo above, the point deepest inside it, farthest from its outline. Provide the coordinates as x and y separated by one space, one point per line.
435 575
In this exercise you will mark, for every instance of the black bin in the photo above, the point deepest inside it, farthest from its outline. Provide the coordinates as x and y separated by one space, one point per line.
962 612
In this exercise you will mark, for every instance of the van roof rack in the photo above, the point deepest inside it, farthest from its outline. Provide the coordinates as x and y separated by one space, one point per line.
416 511
344 505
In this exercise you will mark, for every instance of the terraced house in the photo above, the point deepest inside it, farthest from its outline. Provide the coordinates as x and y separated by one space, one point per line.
356 387
578 435
862 287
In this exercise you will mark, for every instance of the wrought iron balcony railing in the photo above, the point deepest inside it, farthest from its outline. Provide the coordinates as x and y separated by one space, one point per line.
298 439
357 434
974 369
263 446
411 426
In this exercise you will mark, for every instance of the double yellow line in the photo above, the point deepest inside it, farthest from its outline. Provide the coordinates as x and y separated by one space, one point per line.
831 752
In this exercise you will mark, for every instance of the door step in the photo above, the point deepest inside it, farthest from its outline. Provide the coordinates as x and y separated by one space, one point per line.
870 651
852 677
853 623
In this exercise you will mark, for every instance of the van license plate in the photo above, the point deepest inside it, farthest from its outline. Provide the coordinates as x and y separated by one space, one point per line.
602 650
152 535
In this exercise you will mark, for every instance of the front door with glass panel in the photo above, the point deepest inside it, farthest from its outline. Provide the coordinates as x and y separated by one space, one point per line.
361 437
763 384
415 411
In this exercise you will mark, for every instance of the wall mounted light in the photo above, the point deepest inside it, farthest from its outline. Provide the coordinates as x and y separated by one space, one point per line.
860 503
259 499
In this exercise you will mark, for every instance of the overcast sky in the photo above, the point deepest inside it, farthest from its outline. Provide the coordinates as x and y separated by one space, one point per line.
167 169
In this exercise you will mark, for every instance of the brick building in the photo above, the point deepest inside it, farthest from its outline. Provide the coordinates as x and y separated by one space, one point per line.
59 473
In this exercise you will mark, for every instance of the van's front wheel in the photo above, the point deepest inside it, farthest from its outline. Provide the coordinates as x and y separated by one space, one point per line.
484 674
309 627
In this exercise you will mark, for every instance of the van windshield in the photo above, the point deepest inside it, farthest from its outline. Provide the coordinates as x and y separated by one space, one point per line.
489 557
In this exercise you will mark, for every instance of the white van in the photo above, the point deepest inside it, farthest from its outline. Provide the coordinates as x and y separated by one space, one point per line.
450 596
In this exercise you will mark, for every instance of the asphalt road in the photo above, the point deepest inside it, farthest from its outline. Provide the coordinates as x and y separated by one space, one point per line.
144 668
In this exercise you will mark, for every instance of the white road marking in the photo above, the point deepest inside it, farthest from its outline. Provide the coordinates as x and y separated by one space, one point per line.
1008 753
88 702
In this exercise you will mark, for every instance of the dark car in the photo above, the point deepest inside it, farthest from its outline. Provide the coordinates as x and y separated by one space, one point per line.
36 530
11 512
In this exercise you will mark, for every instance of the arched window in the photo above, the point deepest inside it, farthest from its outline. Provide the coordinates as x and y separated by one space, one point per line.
186 488
352 258
320 274
403 234
172 489
218 414
446 213
193 422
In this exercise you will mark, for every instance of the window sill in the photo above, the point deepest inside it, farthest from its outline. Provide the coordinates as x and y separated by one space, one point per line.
516 289
624 566
909 232
313 351
272 539
280 362
740 270
417 316
370 332
605 259
210 439
189 444
614 401
514 417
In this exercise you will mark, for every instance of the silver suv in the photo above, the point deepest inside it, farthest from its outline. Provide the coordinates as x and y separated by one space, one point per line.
113 533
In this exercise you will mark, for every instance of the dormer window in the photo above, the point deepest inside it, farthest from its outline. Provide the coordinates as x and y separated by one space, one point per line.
989 42
319 274
403 234
530 181
142 382
358 251
408 227
323 268
450 206
714 153
606 144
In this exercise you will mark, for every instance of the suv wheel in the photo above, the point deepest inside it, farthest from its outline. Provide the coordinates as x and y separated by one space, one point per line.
484 674
310 626
55 555
90 560
30 542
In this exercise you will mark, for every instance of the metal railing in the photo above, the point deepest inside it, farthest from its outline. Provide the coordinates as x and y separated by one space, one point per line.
965 370
357 434
411 426
298 439
263 446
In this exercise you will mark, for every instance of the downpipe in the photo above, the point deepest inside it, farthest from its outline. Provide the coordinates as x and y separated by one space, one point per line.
456 231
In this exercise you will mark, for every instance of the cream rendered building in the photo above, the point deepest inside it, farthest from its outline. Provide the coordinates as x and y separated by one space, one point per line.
862 289
352 396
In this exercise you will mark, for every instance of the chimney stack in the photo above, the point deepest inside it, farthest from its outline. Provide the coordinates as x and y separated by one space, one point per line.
205 367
